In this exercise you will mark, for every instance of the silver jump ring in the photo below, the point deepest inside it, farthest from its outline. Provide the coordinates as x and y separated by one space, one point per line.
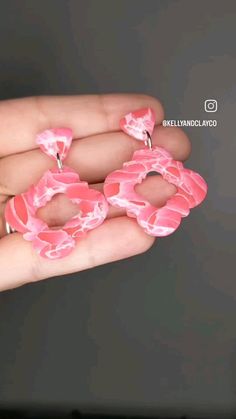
8 228
59 162
148 142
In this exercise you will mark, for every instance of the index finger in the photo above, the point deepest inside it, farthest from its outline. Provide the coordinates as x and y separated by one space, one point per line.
22 119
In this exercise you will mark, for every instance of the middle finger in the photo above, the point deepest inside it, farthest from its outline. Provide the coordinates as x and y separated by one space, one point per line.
93 158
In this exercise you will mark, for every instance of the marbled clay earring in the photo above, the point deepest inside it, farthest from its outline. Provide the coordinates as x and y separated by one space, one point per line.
20 211
119 186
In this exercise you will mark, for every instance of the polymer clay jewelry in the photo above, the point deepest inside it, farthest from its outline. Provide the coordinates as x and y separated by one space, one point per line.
20 211
119 186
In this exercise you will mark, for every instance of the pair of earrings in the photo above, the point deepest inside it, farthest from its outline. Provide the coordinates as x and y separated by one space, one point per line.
119 191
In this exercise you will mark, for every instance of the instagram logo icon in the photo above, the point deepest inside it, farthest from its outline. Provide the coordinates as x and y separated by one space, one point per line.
210 105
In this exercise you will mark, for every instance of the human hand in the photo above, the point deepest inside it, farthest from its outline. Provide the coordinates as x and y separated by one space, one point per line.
98 148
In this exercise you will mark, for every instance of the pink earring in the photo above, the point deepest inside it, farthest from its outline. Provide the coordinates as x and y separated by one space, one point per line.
20 211
119 185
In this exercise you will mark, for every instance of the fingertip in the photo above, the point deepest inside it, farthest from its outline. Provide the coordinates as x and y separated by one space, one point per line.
122 237
173 139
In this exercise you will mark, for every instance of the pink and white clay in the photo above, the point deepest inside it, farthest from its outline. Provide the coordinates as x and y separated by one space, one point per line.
119 187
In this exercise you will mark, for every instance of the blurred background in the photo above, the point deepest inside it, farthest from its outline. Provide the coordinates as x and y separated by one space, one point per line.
156 333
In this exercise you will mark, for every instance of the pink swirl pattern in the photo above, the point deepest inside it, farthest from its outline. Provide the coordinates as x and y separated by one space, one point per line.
56 140
136 123
20 212
119 189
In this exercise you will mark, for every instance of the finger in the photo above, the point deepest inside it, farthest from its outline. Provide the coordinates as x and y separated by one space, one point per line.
22 119
93 158
60 209
115 239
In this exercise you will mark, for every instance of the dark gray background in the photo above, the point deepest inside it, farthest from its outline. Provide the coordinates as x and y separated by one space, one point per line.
155 332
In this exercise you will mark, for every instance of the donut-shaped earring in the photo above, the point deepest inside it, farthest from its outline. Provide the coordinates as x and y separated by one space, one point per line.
119 187
20 211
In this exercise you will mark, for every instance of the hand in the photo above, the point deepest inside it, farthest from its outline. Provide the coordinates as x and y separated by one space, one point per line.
98 148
